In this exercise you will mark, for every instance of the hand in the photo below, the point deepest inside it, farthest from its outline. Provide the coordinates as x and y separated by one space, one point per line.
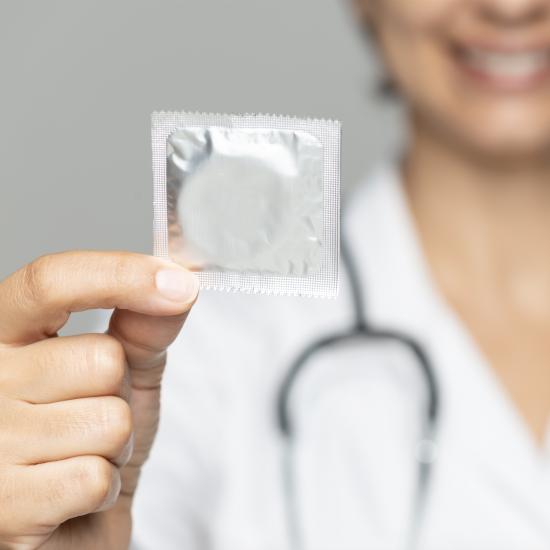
78 415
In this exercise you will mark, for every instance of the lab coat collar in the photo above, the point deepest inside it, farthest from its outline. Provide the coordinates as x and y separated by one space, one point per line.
382 238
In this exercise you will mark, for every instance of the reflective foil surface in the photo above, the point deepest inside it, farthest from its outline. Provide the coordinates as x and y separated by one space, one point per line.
245 200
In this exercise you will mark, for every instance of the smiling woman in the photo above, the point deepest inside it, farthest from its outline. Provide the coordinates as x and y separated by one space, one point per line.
452 249
476 78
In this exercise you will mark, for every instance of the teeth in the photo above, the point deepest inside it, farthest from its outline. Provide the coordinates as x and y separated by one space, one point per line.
509 64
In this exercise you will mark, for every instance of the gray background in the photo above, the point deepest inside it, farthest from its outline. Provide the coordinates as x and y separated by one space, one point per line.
80 79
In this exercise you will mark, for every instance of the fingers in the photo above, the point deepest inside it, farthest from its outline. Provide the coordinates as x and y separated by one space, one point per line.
43 496
66 368
35 302
66 427
145 340
92 426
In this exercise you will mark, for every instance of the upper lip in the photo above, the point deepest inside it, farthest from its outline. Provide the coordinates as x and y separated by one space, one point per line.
509 45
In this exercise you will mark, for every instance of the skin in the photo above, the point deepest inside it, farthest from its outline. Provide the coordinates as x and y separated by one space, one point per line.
477 176
78 414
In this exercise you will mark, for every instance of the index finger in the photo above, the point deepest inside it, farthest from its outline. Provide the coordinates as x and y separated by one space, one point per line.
36 301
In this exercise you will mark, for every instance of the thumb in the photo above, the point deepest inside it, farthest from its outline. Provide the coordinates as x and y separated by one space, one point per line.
145 340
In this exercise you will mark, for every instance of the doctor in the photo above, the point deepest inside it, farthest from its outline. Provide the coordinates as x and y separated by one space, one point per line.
452 248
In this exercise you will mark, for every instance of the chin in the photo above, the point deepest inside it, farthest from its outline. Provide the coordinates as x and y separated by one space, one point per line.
492 131
506 144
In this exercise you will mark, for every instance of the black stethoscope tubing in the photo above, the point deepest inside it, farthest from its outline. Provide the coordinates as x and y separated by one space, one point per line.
361 328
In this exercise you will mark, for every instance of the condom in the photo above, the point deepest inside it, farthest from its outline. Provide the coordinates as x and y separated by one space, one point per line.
249 202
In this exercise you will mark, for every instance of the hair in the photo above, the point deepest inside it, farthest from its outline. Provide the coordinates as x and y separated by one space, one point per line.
386 88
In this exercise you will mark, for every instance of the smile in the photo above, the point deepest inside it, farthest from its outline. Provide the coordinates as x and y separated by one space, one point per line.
519 70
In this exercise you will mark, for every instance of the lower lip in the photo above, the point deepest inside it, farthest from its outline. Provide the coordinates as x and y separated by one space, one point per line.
500 83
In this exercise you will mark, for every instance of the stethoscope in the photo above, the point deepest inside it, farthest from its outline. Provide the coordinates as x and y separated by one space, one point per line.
361 329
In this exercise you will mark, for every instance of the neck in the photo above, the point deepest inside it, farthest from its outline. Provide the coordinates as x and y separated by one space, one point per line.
481 221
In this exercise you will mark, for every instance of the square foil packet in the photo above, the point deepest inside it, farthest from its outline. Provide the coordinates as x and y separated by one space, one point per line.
249 202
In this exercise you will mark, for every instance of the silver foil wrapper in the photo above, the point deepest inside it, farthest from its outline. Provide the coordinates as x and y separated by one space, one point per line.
250 202
245 200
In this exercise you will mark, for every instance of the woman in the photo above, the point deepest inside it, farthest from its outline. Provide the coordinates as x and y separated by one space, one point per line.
452 247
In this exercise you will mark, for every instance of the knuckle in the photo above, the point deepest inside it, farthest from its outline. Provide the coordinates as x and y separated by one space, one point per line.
118 422
110 361
9 500
37 279
123 270
95 478
56 494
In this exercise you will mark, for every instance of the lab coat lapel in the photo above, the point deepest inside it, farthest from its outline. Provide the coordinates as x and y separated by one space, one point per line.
477 418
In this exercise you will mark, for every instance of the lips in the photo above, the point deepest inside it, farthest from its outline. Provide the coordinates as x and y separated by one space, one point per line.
515 70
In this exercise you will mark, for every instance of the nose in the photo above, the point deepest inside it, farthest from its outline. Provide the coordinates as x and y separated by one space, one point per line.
514 12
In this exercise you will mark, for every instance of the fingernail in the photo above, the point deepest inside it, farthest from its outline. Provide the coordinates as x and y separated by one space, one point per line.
177 285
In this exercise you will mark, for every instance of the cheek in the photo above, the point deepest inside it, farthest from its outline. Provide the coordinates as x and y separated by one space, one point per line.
409 34
415 57
419 14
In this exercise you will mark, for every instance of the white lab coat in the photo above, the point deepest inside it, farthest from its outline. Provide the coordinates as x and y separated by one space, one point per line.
215 479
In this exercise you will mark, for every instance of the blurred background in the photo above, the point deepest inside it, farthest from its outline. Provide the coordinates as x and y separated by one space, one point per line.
80 79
